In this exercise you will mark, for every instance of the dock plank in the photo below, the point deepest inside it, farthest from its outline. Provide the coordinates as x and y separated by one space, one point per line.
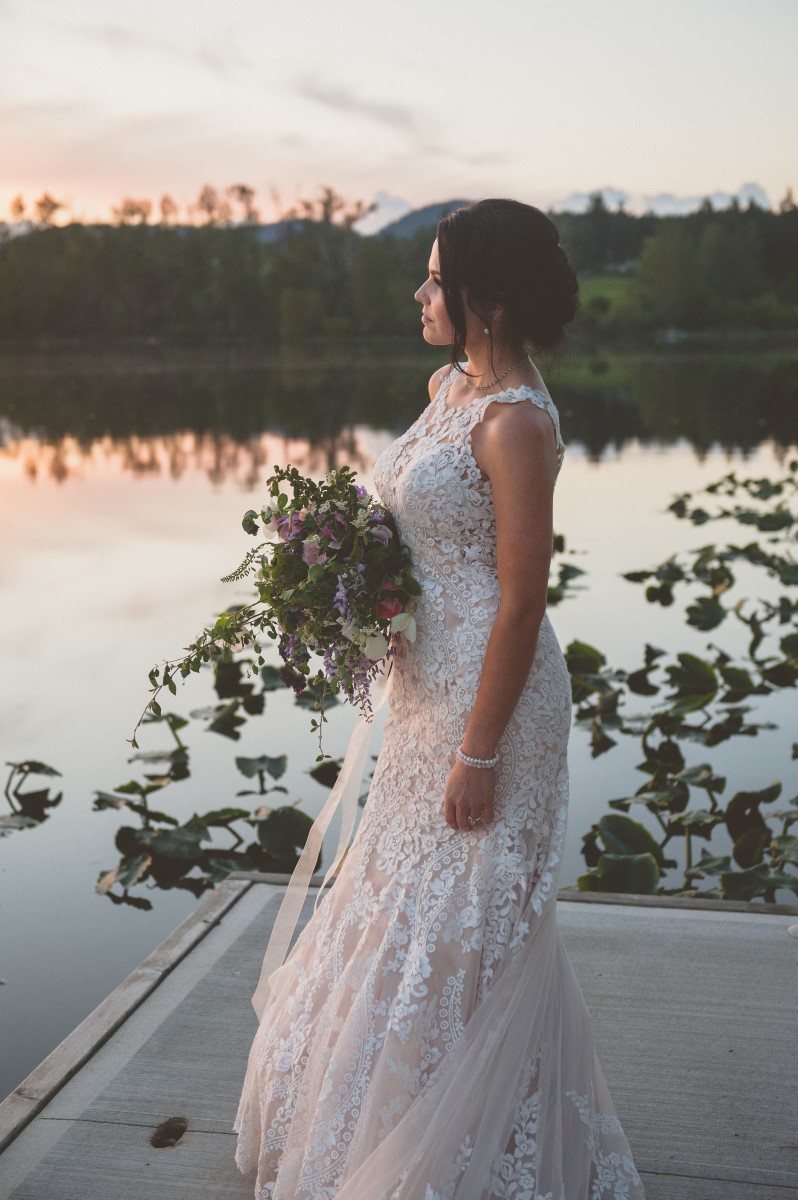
31 1095
693 1013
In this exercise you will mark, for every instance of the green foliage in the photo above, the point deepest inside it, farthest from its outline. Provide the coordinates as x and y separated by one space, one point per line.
714 270
637 873
175 857
702 706
312 275
28 808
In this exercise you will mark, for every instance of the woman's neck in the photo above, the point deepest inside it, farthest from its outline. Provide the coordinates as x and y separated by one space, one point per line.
480 367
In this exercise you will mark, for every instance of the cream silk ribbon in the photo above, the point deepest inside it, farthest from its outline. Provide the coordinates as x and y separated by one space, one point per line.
345 793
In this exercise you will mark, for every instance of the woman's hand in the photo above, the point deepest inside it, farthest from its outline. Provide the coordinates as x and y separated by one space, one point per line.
469 793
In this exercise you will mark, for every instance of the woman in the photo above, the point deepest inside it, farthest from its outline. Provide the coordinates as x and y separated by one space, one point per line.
427 1038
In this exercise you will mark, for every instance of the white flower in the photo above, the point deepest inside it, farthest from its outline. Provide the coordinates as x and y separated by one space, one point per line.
269 519
404 623
350 630
376 647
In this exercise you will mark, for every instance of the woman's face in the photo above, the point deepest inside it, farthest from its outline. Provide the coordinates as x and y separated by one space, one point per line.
438 329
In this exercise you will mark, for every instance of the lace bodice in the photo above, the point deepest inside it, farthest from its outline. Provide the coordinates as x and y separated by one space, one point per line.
443 506
432 483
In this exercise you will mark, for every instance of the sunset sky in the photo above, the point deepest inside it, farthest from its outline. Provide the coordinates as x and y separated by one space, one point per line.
418 101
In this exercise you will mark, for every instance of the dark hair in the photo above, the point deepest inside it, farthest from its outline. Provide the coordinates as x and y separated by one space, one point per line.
502 252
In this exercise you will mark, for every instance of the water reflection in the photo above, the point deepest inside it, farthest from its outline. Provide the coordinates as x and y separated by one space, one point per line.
218 456
230 418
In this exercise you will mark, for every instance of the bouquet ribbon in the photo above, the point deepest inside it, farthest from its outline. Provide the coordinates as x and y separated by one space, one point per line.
345 793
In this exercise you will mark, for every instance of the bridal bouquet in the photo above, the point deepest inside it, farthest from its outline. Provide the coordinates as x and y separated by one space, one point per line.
332 578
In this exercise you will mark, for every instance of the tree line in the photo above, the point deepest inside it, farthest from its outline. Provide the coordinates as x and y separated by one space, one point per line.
225 275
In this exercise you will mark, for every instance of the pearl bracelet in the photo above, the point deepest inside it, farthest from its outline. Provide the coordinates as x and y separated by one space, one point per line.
471 761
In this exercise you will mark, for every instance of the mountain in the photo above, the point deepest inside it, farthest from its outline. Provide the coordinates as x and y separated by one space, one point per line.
387 210
664 204
579 202
421 218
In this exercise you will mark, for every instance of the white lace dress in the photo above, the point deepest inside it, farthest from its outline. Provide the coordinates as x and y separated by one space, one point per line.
427 1038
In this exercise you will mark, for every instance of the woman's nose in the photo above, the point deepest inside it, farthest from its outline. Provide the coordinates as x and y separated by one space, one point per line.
420 294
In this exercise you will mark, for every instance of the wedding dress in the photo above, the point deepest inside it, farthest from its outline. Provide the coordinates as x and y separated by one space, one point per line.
427 1038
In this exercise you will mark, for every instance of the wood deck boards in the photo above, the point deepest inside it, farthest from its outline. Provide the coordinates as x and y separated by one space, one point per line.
693 1011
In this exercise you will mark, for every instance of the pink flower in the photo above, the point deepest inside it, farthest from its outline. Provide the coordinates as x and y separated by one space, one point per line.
389 608
311 552
389 586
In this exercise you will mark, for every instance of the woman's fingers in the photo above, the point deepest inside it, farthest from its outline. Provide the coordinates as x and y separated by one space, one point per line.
476 810
466 796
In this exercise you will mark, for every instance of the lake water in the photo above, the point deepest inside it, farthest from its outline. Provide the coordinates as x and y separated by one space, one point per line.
123 479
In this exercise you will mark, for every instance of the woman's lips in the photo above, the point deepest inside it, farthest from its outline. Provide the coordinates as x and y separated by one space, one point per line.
425 320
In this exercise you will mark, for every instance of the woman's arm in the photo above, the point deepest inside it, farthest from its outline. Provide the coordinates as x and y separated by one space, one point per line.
516 448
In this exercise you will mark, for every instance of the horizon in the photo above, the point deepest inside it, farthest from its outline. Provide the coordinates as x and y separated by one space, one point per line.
389 210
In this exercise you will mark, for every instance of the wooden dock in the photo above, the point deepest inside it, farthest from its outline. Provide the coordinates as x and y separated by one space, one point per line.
693 1006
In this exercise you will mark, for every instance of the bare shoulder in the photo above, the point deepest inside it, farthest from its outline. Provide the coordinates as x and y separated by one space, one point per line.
514 435
523 418
436 379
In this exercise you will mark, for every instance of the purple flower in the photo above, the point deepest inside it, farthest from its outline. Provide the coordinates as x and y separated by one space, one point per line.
381 533
290 526
360 491
341 599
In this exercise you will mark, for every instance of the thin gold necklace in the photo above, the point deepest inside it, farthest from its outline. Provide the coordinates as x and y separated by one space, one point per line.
484 387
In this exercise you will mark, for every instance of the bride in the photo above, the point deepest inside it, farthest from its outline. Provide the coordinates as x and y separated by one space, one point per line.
426 1037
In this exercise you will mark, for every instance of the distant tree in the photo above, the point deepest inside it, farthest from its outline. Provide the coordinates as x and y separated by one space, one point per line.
597 204
729 258
706 206
132 212
787 204
329 208
669 286
168 209
245 196
17 208
46 208
213 207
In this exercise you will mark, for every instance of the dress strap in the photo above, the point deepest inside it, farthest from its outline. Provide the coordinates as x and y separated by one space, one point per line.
538 397
445 384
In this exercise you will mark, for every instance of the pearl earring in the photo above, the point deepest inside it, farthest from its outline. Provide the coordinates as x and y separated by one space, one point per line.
486 330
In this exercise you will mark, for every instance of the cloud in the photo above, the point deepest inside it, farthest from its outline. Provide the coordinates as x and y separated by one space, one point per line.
45 110
340 99
222 58
398 117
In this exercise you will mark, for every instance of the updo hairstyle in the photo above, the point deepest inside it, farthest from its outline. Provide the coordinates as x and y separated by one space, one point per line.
504 253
